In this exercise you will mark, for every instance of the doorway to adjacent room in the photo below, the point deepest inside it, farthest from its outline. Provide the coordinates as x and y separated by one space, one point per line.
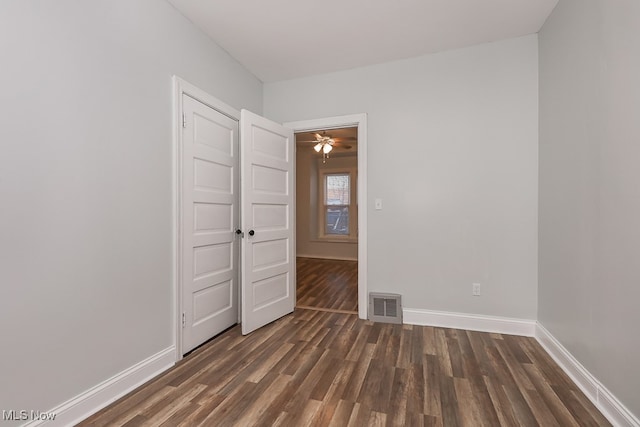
327 214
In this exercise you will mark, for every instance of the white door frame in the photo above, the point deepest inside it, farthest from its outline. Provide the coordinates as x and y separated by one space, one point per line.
359 120
180 88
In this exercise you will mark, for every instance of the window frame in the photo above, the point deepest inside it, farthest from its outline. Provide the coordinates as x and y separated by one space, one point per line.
352 236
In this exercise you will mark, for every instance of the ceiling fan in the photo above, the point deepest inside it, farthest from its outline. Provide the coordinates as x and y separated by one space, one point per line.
324 143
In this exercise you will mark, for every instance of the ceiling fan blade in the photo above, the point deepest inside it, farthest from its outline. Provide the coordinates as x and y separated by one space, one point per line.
343 145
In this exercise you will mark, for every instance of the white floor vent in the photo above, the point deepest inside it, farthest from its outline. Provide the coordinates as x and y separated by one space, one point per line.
385 308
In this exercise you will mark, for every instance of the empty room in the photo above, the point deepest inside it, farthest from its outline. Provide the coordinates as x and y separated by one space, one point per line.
332 213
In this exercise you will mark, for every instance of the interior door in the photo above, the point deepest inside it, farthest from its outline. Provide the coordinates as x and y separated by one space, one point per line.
209 204
268 218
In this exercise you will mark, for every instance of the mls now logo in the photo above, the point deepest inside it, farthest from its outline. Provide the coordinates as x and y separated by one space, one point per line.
24 415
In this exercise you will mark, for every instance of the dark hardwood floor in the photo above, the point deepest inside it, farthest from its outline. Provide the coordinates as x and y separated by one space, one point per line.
332 369
327 284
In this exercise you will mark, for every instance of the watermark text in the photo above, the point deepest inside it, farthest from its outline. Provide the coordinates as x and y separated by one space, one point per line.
27 415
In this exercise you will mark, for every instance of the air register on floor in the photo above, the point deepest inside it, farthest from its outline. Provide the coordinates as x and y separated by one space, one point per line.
386 308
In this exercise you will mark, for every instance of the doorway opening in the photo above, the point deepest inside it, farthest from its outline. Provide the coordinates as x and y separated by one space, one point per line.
327 219
329 127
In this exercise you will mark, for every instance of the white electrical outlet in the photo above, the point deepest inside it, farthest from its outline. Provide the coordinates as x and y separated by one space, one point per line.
476 289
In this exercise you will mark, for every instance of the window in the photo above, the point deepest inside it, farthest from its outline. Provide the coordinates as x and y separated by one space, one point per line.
336 204
337 207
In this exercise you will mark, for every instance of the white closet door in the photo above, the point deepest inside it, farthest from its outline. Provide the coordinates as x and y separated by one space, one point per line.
268 218
209 204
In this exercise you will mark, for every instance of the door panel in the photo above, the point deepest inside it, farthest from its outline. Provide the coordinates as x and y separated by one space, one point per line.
268 249
209 203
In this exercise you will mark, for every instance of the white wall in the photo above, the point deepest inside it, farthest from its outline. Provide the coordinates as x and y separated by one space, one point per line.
85 186
307 242
452 143
589 194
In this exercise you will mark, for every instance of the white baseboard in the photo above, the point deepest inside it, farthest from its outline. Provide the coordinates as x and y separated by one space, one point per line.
604 400
472 322
91 401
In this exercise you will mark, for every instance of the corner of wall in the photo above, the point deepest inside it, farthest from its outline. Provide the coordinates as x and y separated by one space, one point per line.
598 394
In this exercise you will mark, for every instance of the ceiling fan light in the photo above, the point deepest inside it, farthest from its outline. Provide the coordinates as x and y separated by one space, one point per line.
318 147
326 148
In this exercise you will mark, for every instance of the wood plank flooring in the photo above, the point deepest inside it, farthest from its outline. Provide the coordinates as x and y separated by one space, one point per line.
332 369
327 284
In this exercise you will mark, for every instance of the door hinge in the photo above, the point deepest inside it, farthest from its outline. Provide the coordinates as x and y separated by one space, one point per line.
184 120
184 320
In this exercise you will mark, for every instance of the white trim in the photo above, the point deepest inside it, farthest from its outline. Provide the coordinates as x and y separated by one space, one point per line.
359 120
181 87
91 401
472 322
602 398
